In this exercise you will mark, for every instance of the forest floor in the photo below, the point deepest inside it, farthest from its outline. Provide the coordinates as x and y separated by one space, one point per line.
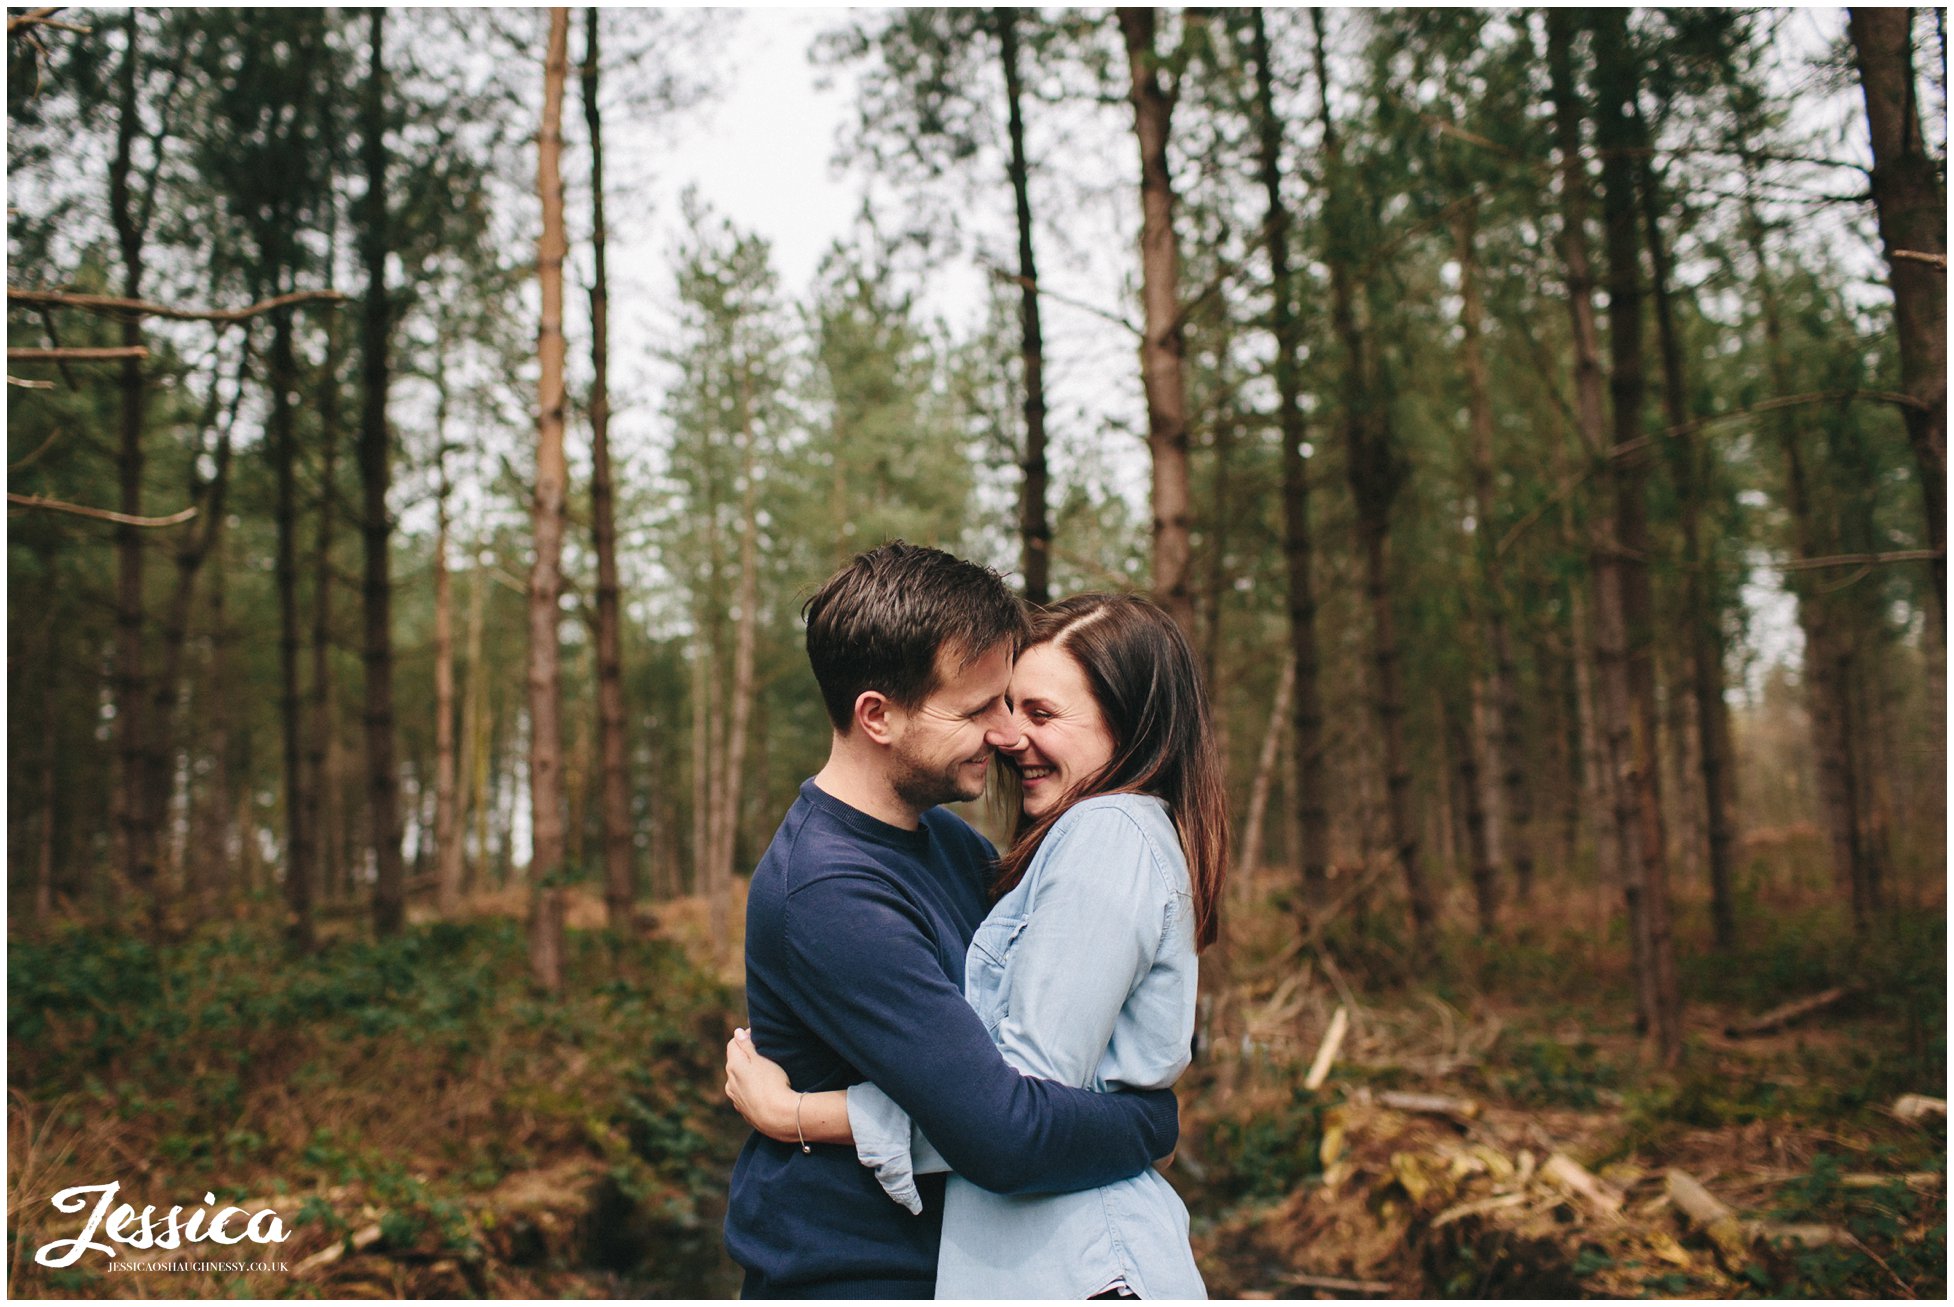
1490 1127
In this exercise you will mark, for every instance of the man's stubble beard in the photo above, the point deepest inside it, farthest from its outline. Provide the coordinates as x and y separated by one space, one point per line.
921 788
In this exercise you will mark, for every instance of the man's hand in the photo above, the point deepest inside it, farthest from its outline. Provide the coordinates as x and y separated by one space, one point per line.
759 1089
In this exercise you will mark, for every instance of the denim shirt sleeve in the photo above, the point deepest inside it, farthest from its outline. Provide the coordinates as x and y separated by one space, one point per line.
1096 916
887 1141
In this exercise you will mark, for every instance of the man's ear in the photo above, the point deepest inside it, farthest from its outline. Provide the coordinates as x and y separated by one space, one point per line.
877 716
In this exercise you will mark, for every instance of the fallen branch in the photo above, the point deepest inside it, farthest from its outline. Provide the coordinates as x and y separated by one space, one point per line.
1804 1235
1326 1052
1429 1104
1709 1216
1786 1013
1918 1107
1562 1170
128 308
77 354
1479 1207
1332 1284
102 514
359 1241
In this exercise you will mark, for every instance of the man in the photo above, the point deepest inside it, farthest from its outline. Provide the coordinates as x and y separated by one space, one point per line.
857 923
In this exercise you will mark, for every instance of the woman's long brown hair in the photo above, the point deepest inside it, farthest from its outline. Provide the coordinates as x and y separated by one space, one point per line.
1143 677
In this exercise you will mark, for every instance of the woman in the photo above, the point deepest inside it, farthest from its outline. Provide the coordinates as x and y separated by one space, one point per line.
1084 971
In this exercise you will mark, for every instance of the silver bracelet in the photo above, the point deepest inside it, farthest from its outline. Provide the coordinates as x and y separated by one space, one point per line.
797 1122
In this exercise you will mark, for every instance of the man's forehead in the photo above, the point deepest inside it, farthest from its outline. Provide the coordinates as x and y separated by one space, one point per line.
958 672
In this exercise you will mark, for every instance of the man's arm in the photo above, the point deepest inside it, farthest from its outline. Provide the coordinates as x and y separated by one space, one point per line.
869 983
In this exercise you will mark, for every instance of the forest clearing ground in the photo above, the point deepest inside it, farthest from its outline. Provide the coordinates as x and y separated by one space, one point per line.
1341 1194
415 1107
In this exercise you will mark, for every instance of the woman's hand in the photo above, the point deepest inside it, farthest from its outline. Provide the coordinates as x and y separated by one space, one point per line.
759 1089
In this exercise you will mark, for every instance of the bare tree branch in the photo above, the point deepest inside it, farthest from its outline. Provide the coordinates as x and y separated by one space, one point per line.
116 306
103 514
1858 560
77 353
1931 260
42 18
53 436
1014 279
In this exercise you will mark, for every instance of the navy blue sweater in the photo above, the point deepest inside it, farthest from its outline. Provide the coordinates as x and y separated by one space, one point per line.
855 939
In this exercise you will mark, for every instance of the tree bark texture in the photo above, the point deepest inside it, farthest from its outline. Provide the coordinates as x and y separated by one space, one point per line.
1163 347
1829 668
1611 699
300 877
1630 458
447 806
740 701
1298 543
612 747
135 854
1690 470
376 527
1910 197
1375 475
547 515
319 728
1502 733
1034 519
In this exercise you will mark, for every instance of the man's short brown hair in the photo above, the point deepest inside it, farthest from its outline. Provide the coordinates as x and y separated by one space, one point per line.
878 622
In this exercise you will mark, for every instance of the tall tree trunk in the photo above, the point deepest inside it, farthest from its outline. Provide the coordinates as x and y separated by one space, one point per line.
1690 469
703 769
1375 476
1266 758
613 749
319 728
1298 548
1502 733
194 546
1610 698
1630 459
740 705
210 864
545 576
382 784
475 732
135 853
447 808
1034 521
1910 197
299 861
1828 666
1459 737
1163 348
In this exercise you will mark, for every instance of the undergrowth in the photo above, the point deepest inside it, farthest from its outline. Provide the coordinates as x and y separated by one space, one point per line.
409 1076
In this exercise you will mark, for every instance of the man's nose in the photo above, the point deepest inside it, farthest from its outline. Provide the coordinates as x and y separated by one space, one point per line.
1003 733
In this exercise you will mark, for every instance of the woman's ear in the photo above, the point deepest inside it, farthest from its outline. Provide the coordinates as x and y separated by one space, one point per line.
877 716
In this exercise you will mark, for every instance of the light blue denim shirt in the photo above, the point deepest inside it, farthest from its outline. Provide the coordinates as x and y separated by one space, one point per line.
1084 973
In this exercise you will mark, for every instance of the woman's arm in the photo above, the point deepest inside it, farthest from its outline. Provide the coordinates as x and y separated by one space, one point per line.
886 1141
761 1092
1095 924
